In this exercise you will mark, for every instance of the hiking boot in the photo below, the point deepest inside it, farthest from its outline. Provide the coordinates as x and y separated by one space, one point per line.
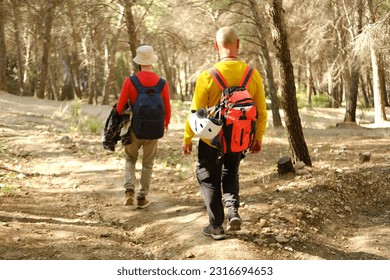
234 220
129 198
215 232
142 202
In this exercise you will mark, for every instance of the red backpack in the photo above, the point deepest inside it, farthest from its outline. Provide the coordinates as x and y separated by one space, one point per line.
238 112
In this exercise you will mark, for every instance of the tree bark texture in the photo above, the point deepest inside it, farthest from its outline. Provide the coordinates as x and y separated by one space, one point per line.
74 59
341 60
289 102
364 92
48 21
351 101
379 111
109 57
309 83
19 54
382 80
277 121
376 62
131 31
3 50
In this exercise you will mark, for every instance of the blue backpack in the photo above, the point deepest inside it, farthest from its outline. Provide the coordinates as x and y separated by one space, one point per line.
148 110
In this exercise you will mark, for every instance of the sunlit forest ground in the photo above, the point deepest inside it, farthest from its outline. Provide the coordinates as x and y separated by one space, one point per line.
61 194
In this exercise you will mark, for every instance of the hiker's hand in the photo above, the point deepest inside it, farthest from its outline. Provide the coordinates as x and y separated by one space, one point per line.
186 149
256 147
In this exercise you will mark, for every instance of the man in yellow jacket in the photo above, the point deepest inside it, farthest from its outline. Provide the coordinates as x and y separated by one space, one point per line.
211 172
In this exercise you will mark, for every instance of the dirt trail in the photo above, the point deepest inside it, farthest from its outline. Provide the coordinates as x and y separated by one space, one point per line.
61 194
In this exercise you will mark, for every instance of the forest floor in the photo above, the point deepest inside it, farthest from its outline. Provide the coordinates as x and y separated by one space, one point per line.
61 194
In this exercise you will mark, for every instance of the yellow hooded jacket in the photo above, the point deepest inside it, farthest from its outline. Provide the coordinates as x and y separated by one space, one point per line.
207 94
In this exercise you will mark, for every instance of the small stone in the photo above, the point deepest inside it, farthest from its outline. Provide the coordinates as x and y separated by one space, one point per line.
282 239
299 165
263 222
288 248
267 231
87 212
316 210
65 140
259 241
279 246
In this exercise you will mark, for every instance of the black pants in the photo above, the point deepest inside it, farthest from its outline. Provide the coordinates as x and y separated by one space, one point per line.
212 171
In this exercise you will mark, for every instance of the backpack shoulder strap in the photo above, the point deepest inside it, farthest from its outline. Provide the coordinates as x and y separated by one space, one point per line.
160 85
218 78
138 86
246 77
136 83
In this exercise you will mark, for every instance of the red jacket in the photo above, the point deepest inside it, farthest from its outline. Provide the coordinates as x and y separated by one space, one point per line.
147 79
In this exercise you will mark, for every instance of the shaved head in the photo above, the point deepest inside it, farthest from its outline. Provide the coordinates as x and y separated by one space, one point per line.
226 36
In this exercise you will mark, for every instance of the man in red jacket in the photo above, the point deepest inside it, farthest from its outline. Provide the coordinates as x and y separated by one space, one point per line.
145 58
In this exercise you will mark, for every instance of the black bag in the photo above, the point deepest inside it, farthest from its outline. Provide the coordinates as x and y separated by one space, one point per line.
148 110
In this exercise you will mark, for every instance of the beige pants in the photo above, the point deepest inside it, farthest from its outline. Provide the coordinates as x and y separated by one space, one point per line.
149 149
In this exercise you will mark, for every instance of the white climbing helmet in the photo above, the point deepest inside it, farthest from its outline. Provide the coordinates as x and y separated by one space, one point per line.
204 124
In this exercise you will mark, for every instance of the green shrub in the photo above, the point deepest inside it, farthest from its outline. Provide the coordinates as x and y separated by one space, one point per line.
7 189
320 100
91 124
80 123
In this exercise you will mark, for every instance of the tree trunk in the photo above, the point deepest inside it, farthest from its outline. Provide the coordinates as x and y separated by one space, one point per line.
19 55
92 94
184 91
131 31
3 50
341 41
333 90
277 121
90 57
74 60
382 80
350 114
106 73
364 92
293 122
370 88
167 63
109 57
28 84
379 113
48 21
376 62
351 101
308 83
